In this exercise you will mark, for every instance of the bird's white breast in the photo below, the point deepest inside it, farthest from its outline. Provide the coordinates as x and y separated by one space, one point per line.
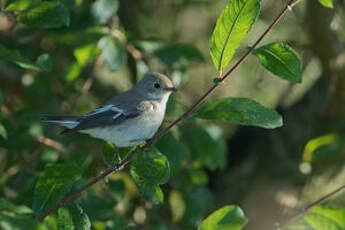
134 130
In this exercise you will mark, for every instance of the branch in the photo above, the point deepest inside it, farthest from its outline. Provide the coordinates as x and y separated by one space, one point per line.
320 201
221 79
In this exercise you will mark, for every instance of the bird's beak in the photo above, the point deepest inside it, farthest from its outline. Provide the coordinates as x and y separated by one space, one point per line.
173 89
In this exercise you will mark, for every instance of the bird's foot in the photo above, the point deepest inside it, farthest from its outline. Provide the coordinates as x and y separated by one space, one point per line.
143 145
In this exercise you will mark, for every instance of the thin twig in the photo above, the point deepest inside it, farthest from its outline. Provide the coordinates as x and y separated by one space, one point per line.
122 164
320 201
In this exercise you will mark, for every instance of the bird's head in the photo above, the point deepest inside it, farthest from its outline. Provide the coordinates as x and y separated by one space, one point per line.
156 86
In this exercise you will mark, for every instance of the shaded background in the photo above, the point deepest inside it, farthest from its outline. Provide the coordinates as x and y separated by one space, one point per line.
270 174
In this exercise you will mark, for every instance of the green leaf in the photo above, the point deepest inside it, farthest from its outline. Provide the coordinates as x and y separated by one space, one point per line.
177 205
103 10
41 14
320 218
45 63
15 217
73 218
73 72
149 169
281 60
18 5
170 54
231 29
113 52
323 147
241 111
227 218
327 3
209 148
65 219
16 57
86 53
3 132
174 150
53 185
109 153
1 98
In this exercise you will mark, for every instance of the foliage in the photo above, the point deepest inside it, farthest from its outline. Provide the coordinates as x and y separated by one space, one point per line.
231 29
320 218
68 56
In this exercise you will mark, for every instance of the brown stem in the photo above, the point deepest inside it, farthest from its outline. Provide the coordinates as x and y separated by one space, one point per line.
320 201
122 164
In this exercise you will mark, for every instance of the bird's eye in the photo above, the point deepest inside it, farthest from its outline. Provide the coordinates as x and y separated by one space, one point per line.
157 85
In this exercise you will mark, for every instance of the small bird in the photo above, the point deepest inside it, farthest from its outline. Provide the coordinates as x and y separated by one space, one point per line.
128 119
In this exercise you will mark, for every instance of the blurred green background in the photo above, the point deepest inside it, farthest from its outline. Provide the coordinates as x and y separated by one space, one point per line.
270 174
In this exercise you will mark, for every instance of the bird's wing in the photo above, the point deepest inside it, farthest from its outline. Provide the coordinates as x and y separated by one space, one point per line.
104 116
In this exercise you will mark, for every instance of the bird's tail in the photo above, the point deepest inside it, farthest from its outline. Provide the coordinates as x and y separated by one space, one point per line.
67 121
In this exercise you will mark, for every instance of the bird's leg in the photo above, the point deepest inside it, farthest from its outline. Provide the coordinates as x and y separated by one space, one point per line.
118 166
143 144
117 153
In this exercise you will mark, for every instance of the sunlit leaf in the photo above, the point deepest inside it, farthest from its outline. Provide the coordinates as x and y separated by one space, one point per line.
177 205
85 53
241 111
15 217
227 218
43 62
103 10
149 169
42 14
327 3
113 52
18 5
73 72
3 132
281 60
231 29
323 146
320 218
55 182
73 217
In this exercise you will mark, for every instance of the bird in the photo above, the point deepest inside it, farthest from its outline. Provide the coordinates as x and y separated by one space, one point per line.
128 119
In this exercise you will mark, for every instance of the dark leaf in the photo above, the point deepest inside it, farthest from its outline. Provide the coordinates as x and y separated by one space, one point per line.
15 217
40 14
73 218
53 185
281 60
24 62
174 150
241 111
44 62
207 143
149 169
